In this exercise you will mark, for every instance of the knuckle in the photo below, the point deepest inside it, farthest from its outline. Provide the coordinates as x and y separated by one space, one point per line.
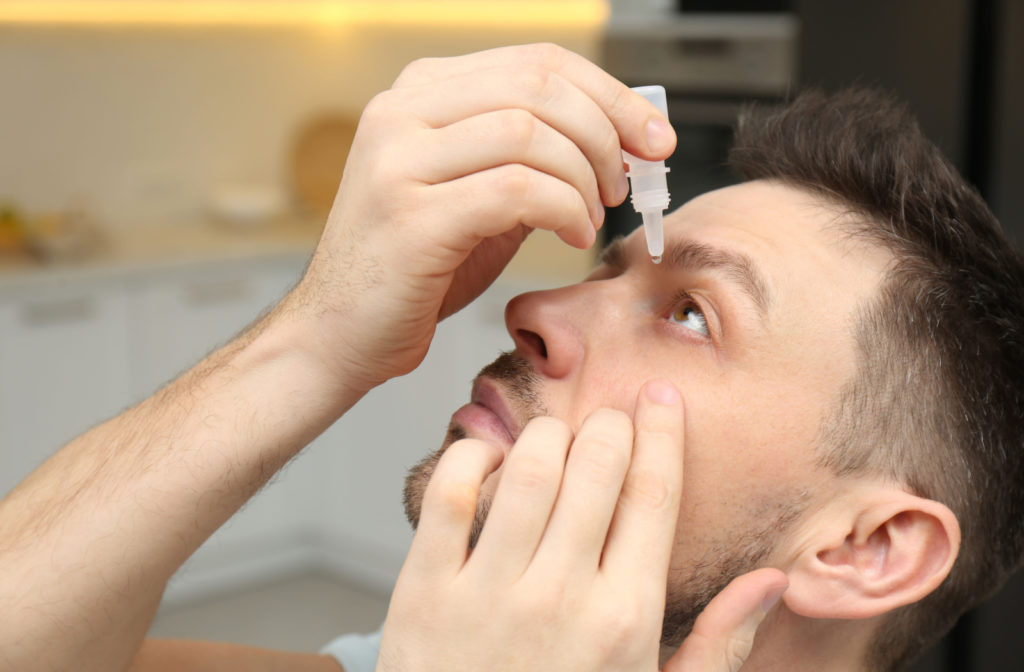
545 52
513 183
549 602
622 624
529 473
604 459
520 128
647 489
534 81
415 71
609 147
737 649
621 100
458 496
379 109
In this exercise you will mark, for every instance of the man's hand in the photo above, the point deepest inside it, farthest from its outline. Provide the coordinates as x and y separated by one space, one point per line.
449 171
570 570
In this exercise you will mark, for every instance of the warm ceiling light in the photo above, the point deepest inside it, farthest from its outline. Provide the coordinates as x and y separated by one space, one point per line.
582 13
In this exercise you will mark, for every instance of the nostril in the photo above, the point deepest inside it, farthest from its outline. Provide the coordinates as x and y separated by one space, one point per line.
533 340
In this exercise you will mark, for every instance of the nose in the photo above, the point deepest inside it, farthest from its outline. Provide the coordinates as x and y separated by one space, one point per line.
548 329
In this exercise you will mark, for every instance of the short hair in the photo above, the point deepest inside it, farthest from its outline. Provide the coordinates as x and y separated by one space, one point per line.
936 400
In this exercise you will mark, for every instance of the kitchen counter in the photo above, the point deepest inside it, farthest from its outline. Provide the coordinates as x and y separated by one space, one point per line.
158 248
543 258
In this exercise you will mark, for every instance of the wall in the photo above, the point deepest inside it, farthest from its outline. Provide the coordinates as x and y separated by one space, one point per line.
142 122
140 125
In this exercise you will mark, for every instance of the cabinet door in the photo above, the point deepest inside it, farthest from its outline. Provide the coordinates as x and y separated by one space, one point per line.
180 318
63 368
176 319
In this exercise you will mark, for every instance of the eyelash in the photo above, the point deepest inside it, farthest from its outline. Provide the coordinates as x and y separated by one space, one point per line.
682 297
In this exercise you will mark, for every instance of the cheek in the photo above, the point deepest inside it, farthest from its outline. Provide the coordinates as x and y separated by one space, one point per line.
741 449
613 388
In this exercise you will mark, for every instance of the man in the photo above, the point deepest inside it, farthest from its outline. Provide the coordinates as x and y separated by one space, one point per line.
843 333
845 329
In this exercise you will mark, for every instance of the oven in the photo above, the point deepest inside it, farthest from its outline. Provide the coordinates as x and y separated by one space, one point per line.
709 64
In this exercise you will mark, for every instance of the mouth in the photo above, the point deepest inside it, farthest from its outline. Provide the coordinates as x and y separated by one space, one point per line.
488 416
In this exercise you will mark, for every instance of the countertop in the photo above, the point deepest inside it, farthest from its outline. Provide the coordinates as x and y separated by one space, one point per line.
151 249
542 261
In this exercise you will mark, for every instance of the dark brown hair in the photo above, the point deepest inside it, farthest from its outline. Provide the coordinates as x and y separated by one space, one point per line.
937 400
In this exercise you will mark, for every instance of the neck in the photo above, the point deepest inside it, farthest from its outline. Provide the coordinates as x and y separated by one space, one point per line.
787 642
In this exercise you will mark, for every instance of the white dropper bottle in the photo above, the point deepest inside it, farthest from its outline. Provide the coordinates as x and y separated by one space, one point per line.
647 182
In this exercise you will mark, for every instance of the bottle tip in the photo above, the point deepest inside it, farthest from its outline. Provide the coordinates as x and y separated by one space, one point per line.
656 258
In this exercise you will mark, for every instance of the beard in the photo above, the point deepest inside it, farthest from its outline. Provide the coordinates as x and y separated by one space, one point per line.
690 589
520 383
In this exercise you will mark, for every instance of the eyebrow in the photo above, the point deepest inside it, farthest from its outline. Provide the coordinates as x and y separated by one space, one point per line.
688 255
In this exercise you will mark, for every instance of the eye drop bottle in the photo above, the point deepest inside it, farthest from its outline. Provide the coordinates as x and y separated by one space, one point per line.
648 184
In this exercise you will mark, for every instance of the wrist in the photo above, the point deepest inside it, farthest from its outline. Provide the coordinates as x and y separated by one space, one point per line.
319 365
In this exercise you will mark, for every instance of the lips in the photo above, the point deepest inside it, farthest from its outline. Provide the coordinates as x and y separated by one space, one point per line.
487 414
487 395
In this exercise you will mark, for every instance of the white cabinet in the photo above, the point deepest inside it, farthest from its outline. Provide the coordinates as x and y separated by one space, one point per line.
63 368
175 321
73 356
78 351
180 317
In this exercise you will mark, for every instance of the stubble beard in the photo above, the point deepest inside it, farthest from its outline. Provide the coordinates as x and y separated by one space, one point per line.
690 589
520 384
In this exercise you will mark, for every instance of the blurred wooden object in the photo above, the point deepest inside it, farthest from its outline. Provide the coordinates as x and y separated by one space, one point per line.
318 160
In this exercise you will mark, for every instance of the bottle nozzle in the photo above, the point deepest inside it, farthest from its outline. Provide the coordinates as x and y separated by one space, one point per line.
648 184
654 234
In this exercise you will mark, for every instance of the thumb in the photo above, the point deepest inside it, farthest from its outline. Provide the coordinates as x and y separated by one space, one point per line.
723 635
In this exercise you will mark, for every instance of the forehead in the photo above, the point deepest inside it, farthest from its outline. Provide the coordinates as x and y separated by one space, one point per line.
795 240
815 272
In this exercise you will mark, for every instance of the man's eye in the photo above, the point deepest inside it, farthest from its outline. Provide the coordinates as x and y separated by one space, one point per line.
687 314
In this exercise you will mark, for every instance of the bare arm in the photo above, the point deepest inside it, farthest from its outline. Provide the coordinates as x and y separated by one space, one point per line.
172 655
426 217
90 539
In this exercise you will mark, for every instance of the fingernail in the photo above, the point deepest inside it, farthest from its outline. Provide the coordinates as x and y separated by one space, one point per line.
659 135
661 391
772 597
621 189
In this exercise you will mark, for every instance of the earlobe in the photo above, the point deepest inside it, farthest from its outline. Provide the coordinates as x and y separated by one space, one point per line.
889 549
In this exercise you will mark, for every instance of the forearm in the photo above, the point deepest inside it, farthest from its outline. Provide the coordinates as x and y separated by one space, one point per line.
88 541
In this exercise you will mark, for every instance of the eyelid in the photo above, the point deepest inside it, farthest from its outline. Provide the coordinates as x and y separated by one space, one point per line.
707 310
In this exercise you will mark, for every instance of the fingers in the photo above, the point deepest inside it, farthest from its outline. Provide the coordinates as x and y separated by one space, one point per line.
519 514
502 137
594 474
628 112
642 534
543 94
723 636
449 506
494 201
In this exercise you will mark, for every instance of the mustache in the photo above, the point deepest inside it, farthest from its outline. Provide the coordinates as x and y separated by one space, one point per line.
520 382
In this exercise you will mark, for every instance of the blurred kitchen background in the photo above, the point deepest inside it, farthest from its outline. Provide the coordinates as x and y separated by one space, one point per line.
166 167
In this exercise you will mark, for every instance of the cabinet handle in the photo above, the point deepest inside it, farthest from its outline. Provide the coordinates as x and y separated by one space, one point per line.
220 291
58 312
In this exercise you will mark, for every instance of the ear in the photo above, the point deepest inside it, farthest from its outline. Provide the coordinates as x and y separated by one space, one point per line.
878 549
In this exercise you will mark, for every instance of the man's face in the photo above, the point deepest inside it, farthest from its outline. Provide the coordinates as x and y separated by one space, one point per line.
750 314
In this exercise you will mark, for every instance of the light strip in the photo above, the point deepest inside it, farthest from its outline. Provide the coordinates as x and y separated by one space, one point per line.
578 13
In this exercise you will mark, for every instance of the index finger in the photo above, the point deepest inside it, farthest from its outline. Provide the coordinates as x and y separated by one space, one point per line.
643 531
642 130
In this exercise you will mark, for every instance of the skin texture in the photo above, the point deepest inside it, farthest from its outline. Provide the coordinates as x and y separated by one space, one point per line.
751 461
757 374
89 540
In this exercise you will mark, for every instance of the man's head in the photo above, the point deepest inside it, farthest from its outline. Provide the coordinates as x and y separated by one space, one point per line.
842 328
